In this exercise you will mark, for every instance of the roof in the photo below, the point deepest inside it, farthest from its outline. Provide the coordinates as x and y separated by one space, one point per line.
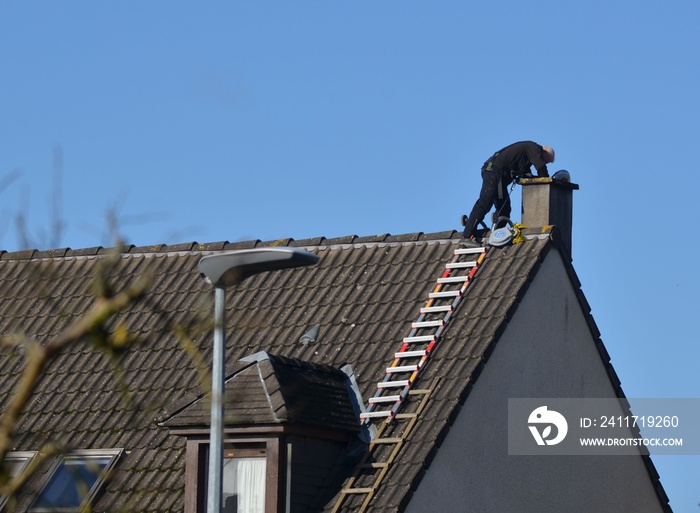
364 294
269 389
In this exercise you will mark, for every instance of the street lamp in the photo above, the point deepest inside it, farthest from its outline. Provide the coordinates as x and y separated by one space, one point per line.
221 271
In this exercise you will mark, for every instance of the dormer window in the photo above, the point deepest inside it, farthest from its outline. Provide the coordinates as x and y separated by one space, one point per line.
244 479
250 478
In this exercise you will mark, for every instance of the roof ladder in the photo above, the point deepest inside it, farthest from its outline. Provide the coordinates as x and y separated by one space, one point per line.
377 460
424 336
397 390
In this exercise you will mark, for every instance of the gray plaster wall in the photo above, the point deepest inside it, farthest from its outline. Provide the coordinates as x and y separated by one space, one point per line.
546 351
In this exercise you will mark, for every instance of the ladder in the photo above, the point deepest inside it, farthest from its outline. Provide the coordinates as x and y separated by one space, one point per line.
380 455
397 391
416 348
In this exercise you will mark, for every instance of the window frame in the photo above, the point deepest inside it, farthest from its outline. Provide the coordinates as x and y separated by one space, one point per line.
196 469
25 457
101 479
234 455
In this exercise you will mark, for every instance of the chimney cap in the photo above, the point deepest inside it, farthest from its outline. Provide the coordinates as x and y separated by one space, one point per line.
539 180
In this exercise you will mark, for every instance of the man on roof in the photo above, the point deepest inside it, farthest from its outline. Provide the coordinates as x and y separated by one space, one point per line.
498 172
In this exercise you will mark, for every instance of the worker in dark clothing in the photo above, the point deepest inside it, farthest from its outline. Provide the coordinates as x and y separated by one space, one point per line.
505 166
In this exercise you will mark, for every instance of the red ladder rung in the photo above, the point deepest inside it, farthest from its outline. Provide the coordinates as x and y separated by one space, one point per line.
410 354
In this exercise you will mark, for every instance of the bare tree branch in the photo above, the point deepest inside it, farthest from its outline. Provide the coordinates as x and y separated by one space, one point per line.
38 356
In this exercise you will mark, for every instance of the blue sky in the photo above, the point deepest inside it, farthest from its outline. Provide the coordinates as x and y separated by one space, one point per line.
176 121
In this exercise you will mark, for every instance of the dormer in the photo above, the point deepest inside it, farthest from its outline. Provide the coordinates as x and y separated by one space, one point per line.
290 436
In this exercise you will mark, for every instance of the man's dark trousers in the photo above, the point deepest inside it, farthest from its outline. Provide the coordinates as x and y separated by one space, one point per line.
493 180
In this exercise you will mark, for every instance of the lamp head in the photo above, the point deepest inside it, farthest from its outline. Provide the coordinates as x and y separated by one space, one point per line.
226 269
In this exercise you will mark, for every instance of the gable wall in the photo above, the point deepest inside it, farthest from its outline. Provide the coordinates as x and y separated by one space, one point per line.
546 351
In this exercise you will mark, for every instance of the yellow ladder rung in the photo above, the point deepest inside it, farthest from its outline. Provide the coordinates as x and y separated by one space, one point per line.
386 441
358 490
374 465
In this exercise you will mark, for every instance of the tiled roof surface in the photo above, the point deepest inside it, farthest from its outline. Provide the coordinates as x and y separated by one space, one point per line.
364 293
269 389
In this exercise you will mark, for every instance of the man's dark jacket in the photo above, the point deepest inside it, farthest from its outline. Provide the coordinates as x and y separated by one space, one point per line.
514 161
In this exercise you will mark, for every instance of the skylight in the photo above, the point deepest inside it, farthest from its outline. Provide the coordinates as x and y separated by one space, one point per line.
75 480
16 462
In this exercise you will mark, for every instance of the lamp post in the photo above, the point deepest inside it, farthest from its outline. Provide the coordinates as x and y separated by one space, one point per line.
221 271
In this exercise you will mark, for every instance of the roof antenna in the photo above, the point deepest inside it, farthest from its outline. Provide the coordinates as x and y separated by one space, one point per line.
310 336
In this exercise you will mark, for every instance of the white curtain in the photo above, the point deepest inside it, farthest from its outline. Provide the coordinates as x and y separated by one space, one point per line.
244 485
250 485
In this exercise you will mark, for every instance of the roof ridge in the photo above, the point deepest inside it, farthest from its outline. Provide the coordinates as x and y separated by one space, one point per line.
210 247
195 247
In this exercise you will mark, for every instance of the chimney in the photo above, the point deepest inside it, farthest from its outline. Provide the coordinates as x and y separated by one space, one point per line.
548 201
